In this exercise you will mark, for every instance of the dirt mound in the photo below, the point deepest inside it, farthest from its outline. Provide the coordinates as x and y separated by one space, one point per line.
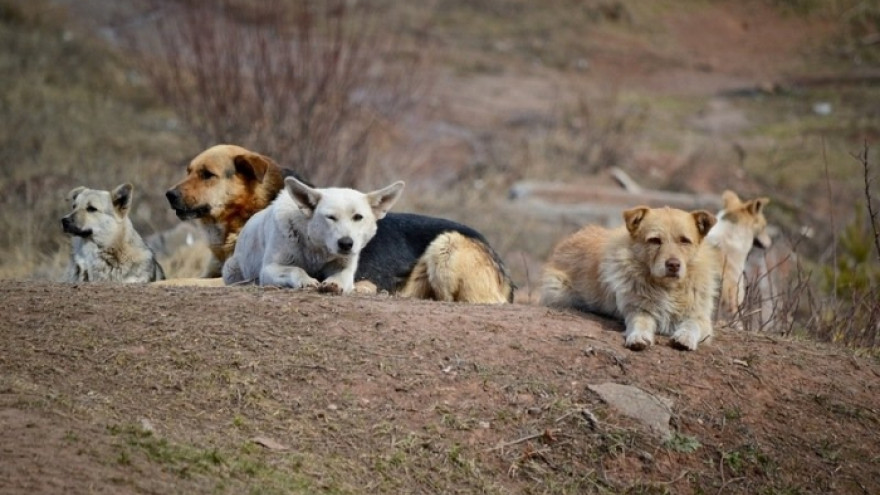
178 390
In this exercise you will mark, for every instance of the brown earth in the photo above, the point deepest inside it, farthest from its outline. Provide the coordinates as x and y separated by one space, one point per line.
138 389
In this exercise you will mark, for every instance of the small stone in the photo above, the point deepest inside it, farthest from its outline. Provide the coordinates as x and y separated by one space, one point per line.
651 410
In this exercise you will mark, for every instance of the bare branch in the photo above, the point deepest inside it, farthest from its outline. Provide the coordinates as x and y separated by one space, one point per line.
872 214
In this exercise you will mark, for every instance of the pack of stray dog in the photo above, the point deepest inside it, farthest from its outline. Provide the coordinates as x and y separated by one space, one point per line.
660 273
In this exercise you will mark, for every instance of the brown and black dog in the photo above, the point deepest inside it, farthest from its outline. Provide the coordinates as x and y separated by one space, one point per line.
224 186
413 255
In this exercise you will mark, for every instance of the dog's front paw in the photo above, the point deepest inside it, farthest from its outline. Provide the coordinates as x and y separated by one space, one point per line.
329 287
688 336
638 341
304 283
365 287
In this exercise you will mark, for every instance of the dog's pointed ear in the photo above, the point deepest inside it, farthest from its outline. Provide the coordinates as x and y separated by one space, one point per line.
382 200
252 166
755 206
704 220
304 196
121 197
633 217
729 200
71 196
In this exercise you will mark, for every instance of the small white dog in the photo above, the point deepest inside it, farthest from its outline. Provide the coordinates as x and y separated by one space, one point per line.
106 247
309 237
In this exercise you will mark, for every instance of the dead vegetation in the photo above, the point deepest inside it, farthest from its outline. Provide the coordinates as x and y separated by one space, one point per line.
316 85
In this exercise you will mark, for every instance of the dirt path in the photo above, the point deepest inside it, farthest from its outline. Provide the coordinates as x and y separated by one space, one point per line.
172 390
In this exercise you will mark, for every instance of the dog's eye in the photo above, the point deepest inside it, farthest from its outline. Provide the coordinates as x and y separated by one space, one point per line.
91 209
655 241
206 174
685 241
332 218
357 217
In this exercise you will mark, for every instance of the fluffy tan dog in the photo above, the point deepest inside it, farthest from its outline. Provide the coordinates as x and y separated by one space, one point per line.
654 272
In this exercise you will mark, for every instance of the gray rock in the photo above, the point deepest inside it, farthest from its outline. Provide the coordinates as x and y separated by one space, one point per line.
651 410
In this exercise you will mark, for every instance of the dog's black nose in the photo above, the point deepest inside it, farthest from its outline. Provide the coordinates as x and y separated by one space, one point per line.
173 196
345 244
672 266
65 223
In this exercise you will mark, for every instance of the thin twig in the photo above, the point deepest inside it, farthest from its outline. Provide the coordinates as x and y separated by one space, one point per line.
528 277
730 481
675 480
518 440
872 215
831 218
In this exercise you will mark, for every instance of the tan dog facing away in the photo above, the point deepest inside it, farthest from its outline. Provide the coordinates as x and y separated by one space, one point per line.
741 226
226 185
106 247
309 237
655 273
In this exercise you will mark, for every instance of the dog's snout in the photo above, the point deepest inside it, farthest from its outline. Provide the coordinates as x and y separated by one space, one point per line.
66 223
673 265
173 196
345 244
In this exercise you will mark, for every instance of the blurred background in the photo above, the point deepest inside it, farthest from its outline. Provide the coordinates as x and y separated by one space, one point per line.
523 119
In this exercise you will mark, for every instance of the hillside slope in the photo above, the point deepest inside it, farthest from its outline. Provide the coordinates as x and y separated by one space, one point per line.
135 389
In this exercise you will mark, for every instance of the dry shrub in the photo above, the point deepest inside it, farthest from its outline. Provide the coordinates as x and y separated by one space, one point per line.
311 83
837 302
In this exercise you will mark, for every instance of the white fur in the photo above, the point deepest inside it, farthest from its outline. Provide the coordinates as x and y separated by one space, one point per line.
296 241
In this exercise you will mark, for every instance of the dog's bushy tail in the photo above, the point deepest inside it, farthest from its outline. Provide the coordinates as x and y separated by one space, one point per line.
458 268
556 290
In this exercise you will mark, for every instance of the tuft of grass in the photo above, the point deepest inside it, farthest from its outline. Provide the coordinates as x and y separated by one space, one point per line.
281 473
685 444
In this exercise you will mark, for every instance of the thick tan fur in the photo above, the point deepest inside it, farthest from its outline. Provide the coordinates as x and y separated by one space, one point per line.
741 225
654 272
457 268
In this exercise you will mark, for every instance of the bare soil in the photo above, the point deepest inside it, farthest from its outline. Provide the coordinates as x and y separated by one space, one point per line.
139 389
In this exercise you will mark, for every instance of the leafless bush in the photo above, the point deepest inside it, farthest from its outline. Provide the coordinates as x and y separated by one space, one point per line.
309 82
838 303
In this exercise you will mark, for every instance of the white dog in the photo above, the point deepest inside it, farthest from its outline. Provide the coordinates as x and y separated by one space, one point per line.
106 247
309 237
